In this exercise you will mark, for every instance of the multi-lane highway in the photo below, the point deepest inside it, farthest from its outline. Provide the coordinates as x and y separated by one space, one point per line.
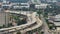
27 27
45 26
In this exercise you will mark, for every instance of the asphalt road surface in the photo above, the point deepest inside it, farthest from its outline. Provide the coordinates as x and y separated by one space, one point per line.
45 26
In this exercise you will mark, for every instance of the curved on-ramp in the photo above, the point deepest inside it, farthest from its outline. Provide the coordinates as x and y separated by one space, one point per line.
26 27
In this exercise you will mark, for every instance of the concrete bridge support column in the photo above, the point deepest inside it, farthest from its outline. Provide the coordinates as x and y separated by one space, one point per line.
14 32
23 32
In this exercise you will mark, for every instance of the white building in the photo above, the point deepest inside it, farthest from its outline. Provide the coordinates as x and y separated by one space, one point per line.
57 17
57 23
6 4
23 5
4 18
26 5
41 6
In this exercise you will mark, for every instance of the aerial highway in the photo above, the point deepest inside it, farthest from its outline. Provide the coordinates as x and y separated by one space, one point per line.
32 24
45 26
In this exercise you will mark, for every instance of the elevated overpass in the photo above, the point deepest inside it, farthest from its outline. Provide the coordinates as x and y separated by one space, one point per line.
32 24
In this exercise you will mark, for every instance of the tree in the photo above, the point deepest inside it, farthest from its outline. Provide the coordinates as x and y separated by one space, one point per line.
18 33
39 11
4 26
42 32
10 24
1 27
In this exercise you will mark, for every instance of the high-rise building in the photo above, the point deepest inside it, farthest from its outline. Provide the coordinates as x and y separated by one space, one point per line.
3 18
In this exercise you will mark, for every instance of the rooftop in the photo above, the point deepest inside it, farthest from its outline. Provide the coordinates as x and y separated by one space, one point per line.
18 1
57 16
57 23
